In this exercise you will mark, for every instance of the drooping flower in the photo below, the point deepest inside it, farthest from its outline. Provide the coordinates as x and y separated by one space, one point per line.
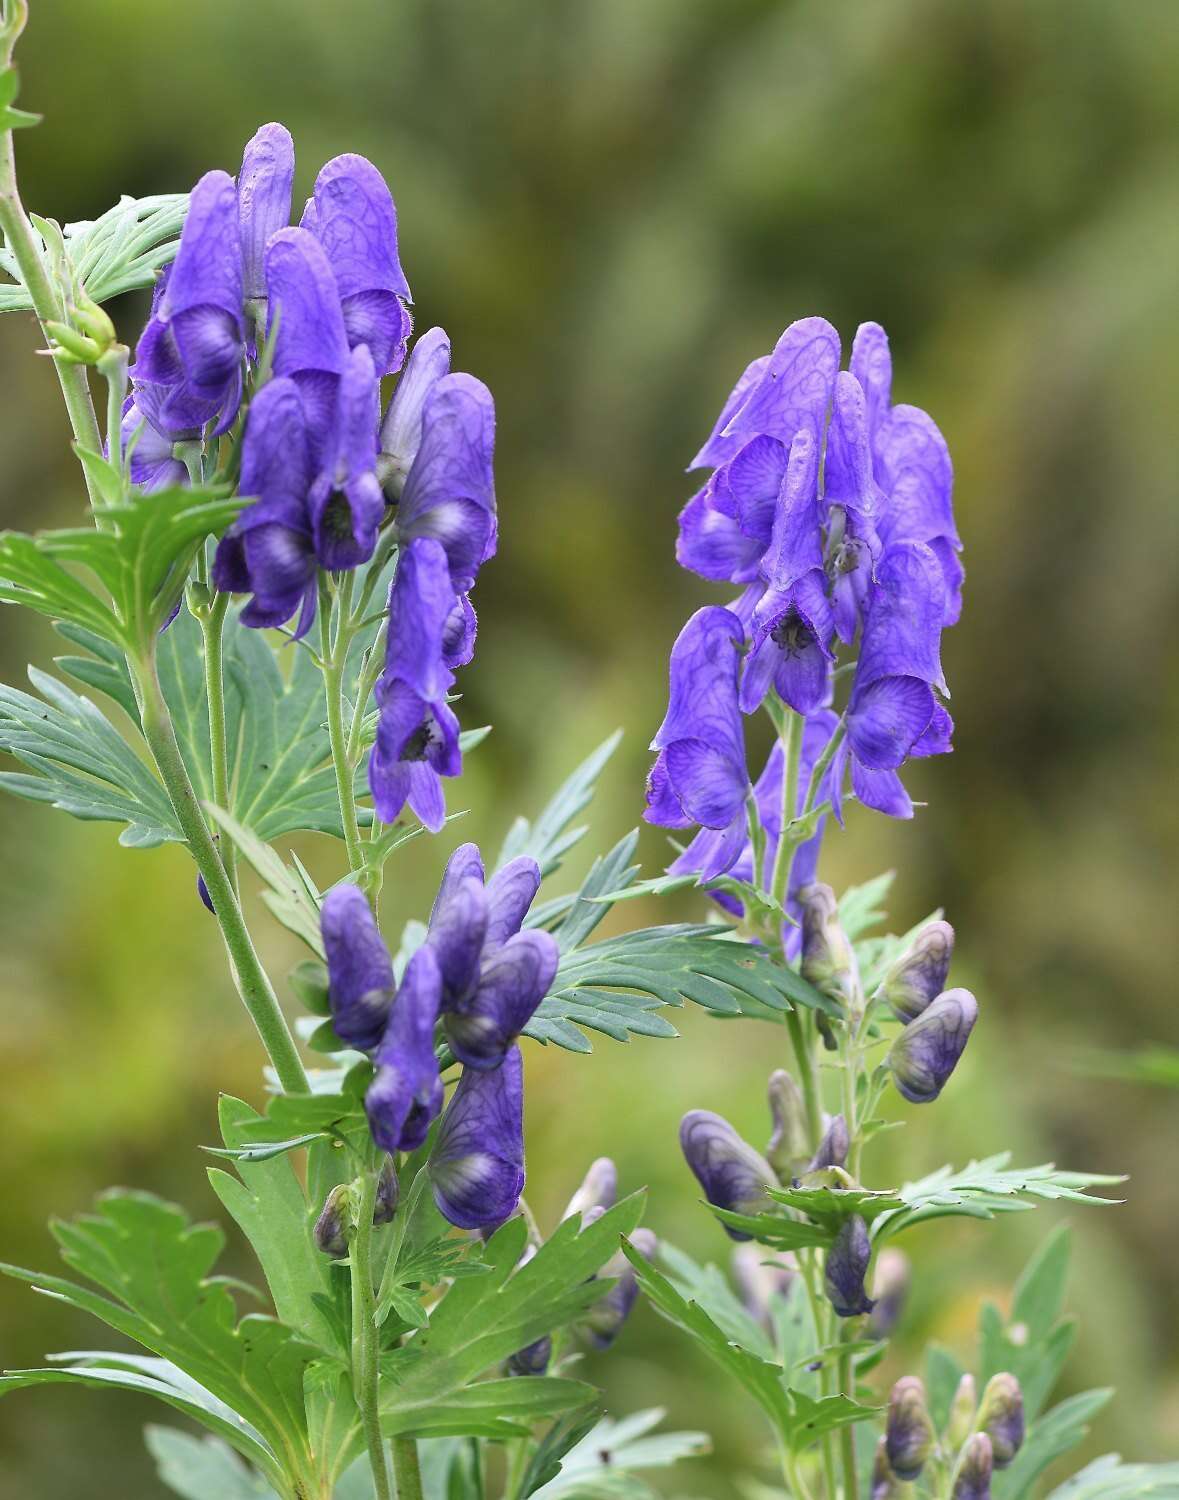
417 744
406 1093
598 1189
919 975
493 975
927 1051
789 1147
1001 1417
401 427
603 1323
388 1193
973 1475
152 461
263 200
334 1223
828 959
699 775
909 1433
307 327
352 215
360 972
477 1164
345 502
846 1266
733 1175
833 1147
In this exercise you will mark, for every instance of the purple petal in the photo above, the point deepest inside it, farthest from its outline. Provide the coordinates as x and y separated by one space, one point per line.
794 389
210 345
703 684
360 971
928 1049
513 981
790 633
719 448
845 1267
458 930
356 223
477 1164
937 738
346 503
411 735
721 849
796 546
401 430
276 465
908 440
886 719
406 1093
263 199
420 603
207 271
871 364
881 790
662 805
510 892
754 478
710 541
847 471
733 1175
902 631
709 785
458 636
302 295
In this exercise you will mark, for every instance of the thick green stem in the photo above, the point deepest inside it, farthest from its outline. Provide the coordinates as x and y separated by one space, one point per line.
806 1074
334 653
365 1375
252 981
213 630
847 1439
406 1469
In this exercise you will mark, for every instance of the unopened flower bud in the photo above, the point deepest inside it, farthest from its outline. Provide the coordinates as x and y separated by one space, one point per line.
733 1175
846 1267
884 1483
962 1409
973 1479
918 977
789 1146
909 1431
828 959
334 1222
599 1189
93 321
927 1050
761 1276
388 1193
70 347
533 1359
833 1147
603 1322
1001 1417
890 1287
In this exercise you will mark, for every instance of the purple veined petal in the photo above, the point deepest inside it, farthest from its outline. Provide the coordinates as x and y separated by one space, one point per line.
794 390
263 199
953 574
709 850
838 778
791 629
152 465
847 471
280 569
796 545
753 477
816 735
760 666
851 568
702 701
722 851
346 502
157 359
882 791
207 271
388 782
709 785
466 863
938 736
719 448
746 602
381 322
406 1093
510 892
907 439
420 603
928 1049
514 979
210 346
426 797
458 929
710 542
733 1175
477 1165
458 635
767 791
355 221
662 805
301 294
846 1266
902 630
276 464
411 733
450 491
886 719
871 364
360 971
401 429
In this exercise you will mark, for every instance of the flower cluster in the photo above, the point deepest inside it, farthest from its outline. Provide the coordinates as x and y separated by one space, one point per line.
303 323
979 1437
469 990
831 509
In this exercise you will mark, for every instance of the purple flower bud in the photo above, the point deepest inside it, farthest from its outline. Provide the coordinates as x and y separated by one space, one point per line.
789 1147
533 1359
388 1193
833 1147
909 1434
477 1164
263 199
890 1288
972 1479
927 1050
733 1175
599 1189
884 1484
846 1266
919 975
961 1420
401 429
828 959
310 344
405 1095
360 971
603 1323
762 1276
1001 1417
334 1223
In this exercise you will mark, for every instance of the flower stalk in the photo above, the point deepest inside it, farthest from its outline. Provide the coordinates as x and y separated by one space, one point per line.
365 1338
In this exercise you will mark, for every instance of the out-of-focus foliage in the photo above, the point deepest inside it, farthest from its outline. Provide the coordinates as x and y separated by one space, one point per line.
613 206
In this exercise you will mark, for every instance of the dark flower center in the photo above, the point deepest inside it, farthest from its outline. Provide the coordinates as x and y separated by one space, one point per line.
337 517
792 633
419 742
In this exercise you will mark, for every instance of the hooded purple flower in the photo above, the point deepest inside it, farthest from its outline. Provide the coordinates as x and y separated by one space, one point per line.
919 975
733 1175
792 622
1001 1417
449 492
853 501
401 429
263 200
153 466
845 1268
406 1093
352 215
417 744
793 389
360 972
477 1164
927 1050
269 550
493 975
726 527
310 342
421 602
194 342
699 775
345 502
603 1323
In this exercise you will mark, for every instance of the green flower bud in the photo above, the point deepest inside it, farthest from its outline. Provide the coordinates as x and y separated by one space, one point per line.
1001 1417
972 1480
69 347
909 1432
918 977
962 1409
92 320
335 1222
884 1484
789 1148
388 1193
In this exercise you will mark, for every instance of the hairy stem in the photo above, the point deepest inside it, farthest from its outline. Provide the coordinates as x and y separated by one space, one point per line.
406 1468
806 1073
334 653
847 1439
213 630
364 1338
791 738
253 983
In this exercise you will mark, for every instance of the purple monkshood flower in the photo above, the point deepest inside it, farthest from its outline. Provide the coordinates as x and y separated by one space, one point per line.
194 342
417 744
477 1164
351 214
423 645
909 1434
927 1051
919 975
345 502
853 501
401 428
699 775
153 466
310 340
1001 1417
493 975
603 1323
846 1266
733 1175
406 1093
263 200
360 972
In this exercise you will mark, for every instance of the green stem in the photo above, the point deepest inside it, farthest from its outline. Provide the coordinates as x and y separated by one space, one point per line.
847 1440
406 1468
113 368
791 738
809 1263
334 653
365 1375
252 981
213 630
820 767
806 1073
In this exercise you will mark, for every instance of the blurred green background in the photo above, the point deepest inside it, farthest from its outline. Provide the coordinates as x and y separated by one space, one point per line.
612 206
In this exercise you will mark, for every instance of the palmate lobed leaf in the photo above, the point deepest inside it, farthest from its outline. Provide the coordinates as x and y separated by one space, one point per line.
1109 1478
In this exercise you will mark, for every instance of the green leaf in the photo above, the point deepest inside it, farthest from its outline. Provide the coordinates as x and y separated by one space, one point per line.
287 893
496 1409
484 1319
613 1449
12 119
829 1206
31 576
775 1229
1109 1478
549 838
709 1288
202 1468
943 1374
860 906
123 249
